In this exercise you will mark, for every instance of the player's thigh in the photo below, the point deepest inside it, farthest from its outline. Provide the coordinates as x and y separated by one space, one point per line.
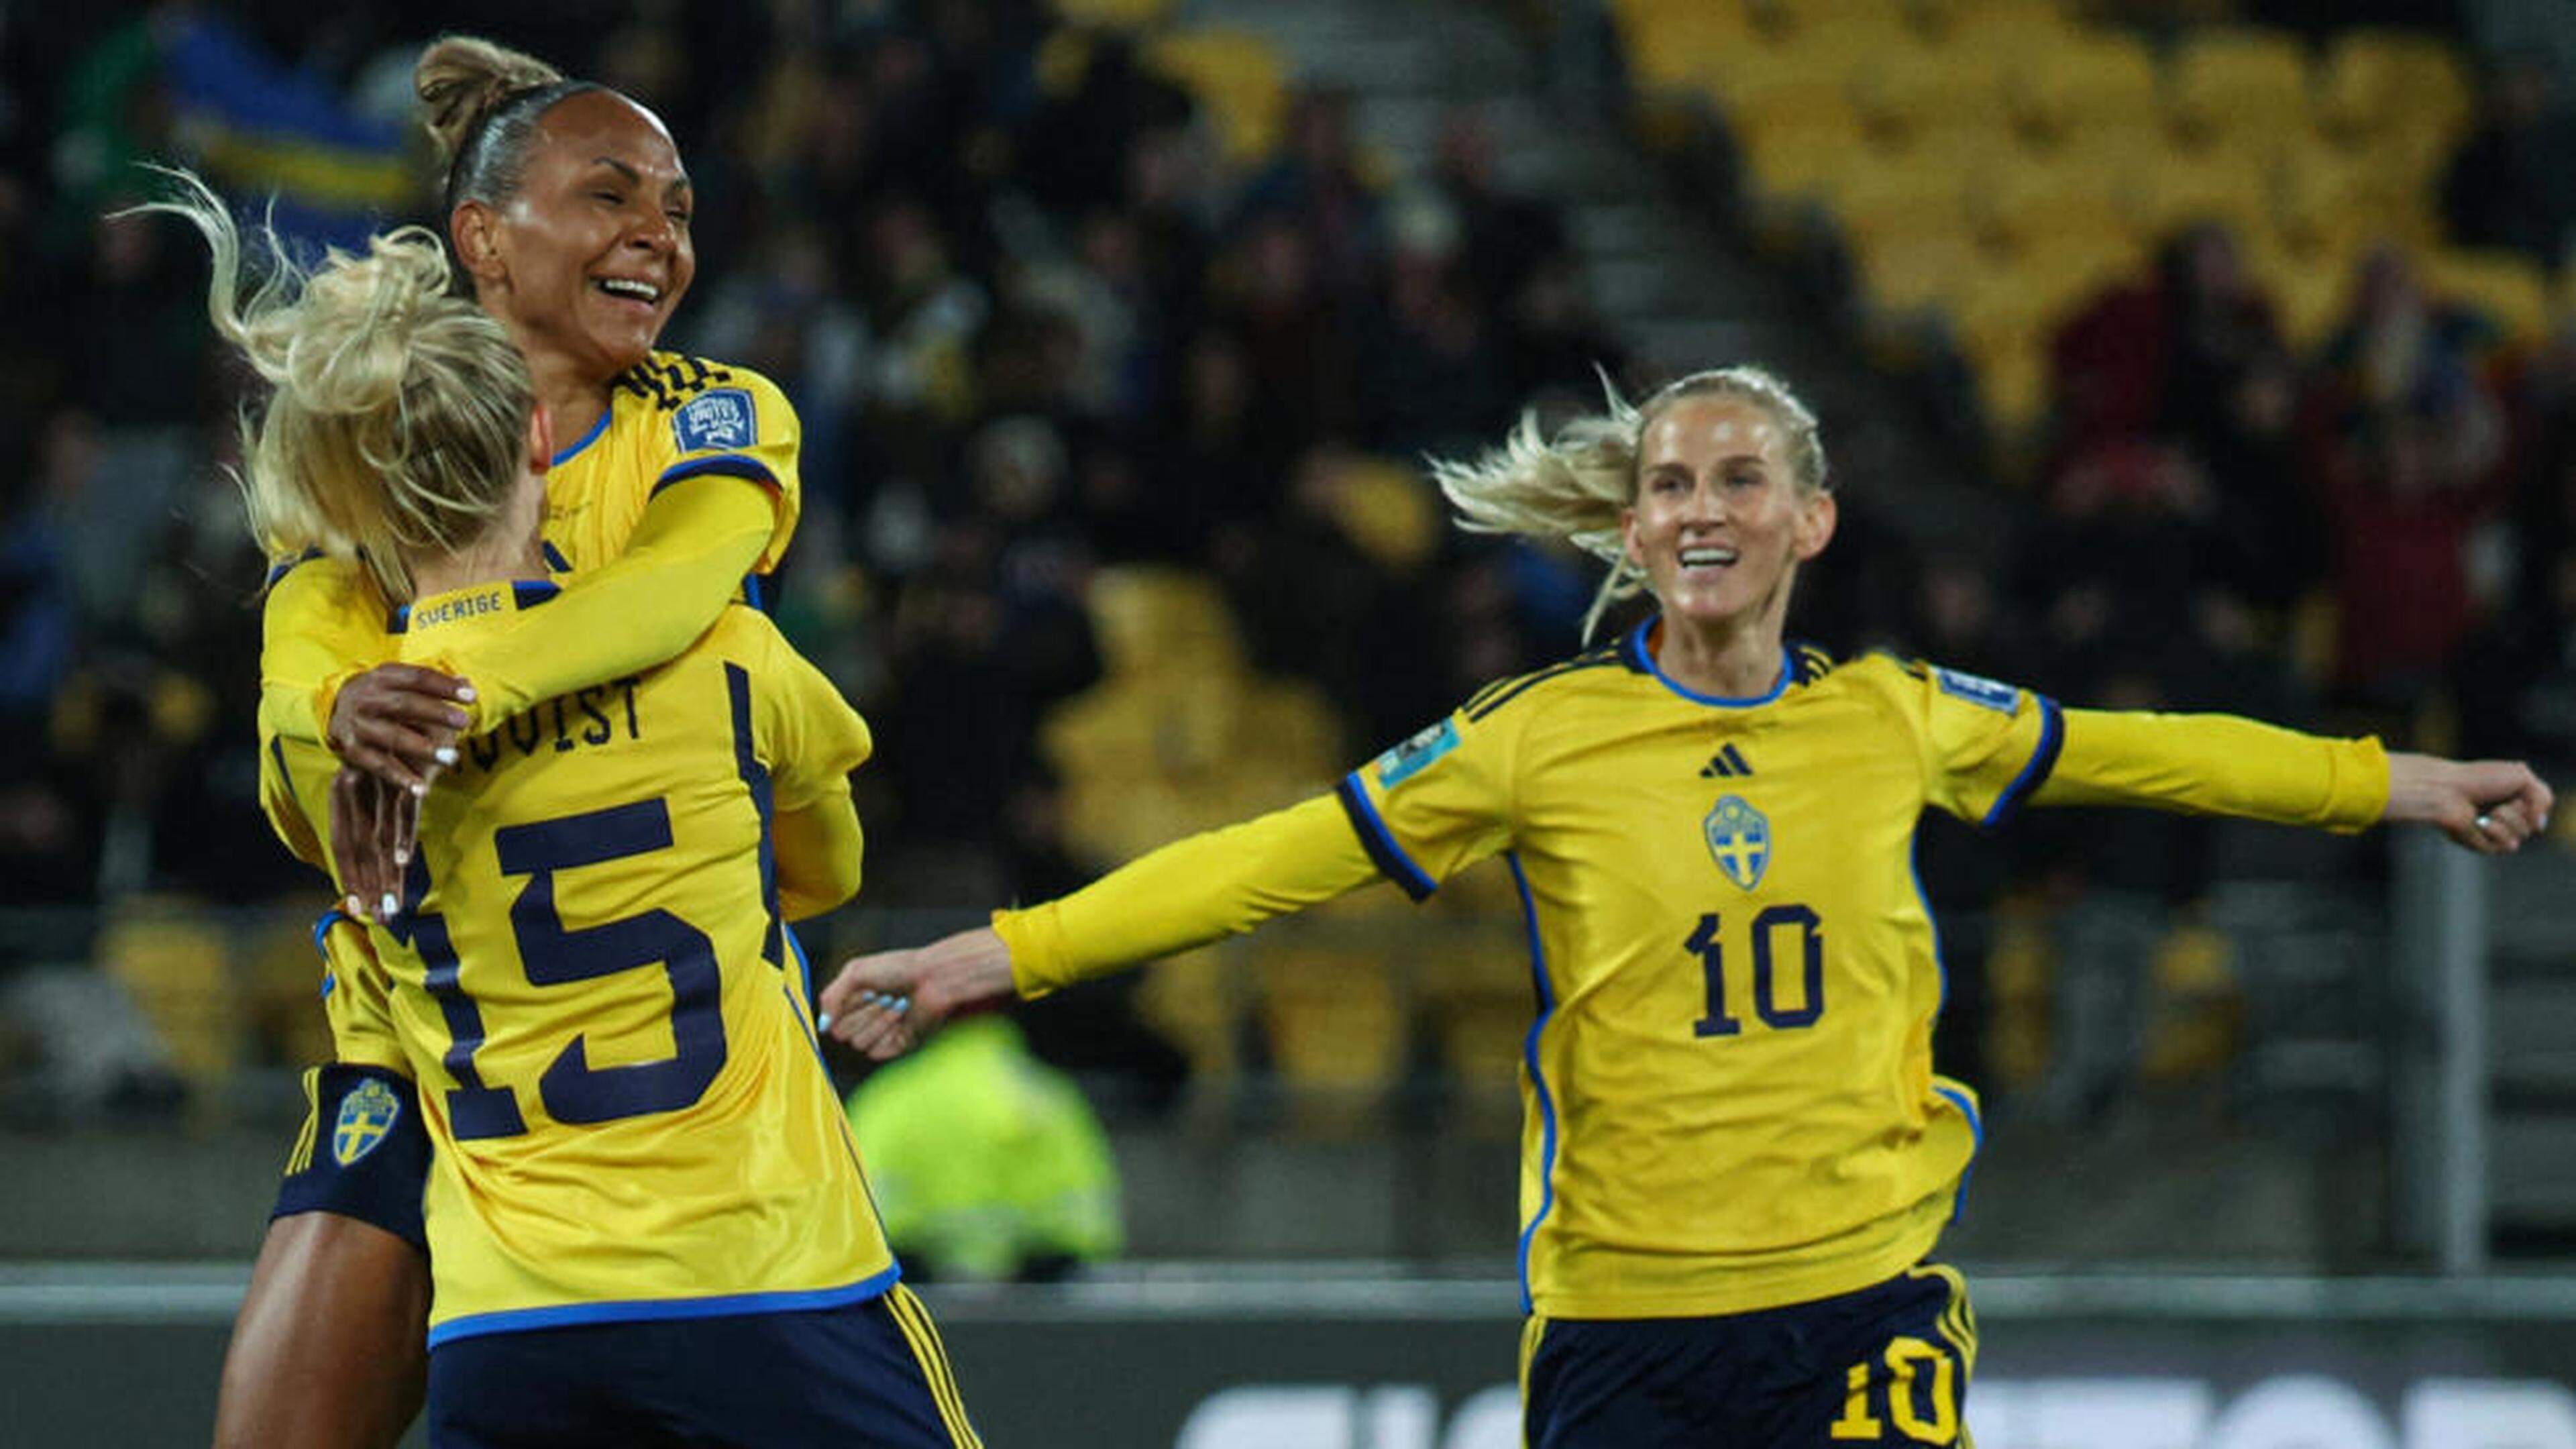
327 1349
1672 1383
1895 1364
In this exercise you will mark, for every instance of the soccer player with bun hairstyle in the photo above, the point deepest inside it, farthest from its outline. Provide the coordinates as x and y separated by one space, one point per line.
1737 1157
580 1011
672 490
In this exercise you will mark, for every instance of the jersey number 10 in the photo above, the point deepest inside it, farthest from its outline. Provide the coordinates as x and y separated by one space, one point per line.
1810 949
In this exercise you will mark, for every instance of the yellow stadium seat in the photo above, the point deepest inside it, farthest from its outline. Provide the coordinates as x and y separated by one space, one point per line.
1774 85
2024 203
175 962
1921 88
2308 292
1672 43
2387 82
1115 14
1152 618
2507 287
2240 81
2232 187
1894 196
1801 157
1238 78
2066 83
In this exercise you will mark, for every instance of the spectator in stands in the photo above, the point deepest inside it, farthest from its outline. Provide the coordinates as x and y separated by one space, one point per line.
2507 186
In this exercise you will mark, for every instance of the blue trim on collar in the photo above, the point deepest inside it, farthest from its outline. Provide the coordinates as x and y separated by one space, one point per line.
587 438
1643 657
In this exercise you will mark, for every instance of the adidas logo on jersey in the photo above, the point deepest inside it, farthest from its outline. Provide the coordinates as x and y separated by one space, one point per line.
1726 764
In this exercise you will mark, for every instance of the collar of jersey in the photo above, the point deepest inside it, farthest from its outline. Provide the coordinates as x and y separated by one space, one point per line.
588 438
1644 658
509 598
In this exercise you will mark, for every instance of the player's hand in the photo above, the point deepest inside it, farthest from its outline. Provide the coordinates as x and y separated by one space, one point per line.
399 723
2490 806
372 825
886 1004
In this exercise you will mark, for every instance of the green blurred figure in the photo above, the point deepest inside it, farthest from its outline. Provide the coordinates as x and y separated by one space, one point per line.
987 1163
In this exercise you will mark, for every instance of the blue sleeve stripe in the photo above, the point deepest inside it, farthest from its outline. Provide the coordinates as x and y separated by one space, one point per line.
1391 860
724 465
2052 738
322 929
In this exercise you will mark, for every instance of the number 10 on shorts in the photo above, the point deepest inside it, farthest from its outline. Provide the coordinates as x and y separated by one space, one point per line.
1921 1396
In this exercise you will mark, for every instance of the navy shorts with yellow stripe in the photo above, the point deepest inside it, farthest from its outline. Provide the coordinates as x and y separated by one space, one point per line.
363 1151
864 1375
1886 1366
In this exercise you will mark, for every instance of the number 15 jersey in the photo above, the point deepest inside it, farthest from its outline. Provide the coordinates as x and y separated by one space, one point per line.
593 987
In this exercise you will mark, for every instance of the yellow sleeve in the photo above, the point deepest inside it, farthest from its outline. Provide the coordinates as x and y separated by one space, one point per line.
1437 803
809 741
1188 893
320 623
696 542
1983 746
2216 764
819 850
741 427
357 996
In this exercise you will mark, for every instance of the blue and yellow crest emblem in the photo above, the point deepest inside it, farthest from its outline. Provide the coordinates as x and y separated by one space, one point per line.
1739 840
366 1115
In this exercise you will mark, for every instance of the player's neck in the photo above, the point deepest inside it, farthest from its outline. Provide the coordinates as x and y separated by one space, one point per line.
1727 658
572 398
487 560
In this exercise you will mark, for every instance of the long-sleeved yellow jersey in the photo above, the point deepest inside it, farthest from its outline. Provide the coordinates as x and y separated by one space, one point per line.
1729 1094
639 596
591 983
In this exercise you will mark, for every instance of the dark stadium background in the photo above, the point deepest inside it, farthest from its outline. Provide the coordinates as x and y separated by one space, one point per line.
2171 354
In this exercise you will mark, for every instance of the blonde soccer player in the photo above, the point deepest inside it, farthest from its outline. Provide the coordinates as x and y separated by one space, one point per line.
673 491
1737 1156
646 1216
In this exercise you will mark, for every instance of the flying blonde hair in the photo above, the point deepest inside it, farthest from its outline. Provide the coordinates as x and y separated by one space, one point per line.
397 416
1576 485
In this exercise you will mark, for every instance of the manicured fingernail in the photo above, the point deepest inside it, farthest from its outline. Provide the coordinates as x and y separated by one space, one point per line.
390 905
465 692
357 908
402 855
901 1005
870 997
420 790
446 754
822 1023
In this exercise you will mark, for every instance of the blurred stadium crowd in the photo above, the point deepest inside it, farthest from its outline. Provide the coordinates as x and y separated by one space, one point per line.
1117 348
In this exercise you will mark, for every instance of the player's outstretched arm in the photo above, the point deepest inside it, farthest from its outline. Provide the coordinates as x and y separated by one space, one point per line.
2489 806
885 1004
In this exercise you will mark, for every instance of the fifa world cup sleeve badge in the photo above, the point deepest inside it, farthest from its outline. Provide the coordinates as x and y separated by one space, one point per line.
366 1115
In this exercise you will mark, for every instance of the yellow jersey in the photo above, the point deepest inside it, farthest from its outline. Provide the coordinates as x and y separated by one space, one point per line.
669 419
591 983
1730 1101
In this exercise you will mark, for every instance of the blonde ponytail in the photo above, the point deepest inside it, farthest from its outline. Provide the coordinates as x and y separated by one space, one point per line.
1577 486
397 413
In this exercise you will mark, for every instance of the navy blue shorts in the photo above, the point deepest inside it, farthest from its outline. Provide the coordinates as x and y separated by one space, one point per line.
867 1375
1887 1366
363 1152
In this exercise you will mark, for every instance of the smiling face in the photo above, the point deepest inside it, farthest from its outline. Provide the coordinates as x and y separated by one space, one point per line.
1720 520
587 261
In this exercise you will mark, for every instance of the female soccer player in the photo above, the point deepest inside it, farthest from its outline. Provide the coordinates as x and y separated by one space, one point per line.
646 1214
568 210
1736 1155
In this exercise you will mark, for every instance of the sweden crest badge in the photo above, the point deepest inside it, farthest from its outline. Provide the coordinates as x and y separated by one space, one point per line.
366 1115
1739 840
